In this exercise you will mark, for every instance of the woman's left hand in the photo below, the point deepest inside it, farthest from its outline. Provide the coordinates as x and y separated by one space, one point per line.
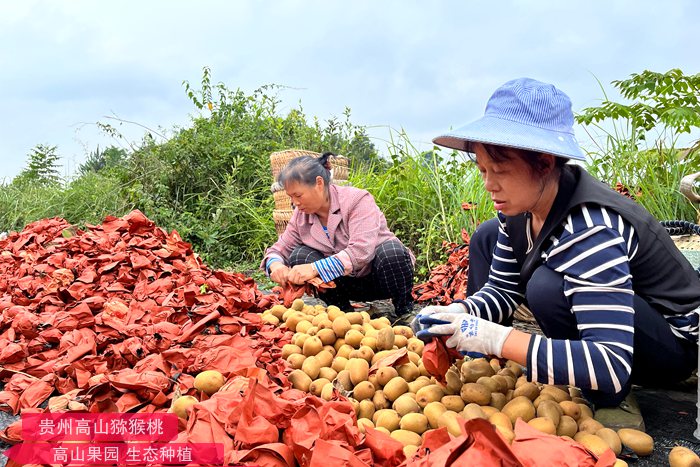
301 273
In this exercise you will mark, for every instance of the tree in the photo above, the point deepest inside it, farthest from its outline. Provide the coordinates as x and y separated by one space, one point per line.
42 167
667 101
98 160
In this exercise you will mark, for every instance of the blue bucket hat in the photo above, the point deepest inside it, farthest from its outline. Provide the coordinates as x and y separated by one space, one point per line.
525 114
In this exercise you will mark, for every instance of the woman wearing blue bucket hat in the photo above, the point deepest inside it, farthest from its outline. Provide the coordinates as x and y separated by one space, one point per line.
616 300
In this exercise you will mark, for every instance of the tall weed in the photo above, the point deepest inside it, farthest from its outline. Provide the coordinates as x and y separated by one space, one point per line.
636 143
421 194
87 199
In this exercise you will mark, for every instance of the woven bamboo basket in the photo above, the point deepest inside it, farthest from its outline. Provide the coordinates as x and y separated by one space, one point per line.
282 201
690 247
275 187
523 313
687 242
340 172
278 160
281 218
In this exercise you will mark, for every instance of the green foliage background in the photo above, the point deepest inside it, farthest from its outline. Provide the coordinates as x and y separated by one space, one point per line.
211 181
636 142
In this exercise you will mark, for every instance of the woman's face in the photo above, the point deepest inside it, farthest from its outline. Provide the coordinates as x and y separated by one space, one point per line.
512 184
309 199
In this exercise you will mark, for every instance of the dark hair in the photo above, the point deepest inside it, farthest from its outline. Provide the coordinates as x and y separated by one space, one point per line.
305 169
531 158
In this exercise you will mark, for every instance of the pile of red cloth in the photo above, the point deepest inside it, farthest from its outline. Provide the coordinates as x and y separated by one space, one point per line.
447 282
121 316
115 317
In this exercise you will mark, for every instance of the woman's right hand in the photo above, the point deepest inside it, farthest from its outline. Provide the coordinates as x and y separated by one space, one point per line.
456 307
279 273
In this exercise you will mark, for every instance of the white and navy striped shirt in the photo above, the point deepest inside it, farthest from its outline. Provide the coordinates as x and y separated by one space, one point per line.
592 251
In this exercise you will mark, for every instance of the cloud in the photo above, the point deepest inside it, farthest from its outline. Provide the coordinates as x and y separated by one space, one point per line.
421 66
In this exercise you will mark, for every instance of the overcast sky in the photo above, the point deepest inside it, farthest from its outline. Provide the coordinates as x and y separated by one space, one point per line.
419 65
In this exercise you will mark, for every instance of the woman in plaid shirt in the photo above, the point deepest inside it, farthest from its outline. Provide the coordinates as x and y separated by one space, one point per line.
339 234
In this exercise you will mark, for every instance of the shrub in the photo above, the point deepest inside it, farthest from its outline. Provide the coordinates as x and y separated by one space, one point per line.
212 181
636 143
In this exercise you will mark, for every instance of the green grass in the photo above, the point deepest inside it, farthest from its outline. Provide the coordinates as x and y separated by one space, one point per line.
653 171
88 199
421 195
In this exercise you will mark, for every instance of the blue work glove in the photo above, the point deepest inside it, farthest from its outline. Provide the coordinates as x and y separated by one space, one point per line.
433 309
468 333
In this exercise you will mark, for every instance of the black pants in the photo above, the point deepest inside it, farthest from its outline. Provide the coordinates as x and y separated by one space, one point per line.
391 277
659 356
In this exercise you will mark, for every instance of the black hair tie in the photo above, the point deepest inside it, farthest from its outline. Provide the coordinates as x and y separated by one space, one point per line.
323 160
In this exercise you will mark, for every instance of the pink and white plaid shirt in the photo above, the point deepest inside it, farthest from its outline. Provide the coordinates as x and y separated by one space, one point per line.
356 227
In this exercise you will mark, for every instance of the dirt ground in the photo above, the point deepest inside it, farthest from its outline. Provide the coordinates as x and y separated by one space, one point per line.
669 414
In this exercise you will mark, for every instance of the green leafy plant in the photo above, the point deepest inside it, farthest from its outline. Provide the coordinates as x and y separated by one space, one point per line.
42 168
669 101
100 161
421 193
86 199
636 143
